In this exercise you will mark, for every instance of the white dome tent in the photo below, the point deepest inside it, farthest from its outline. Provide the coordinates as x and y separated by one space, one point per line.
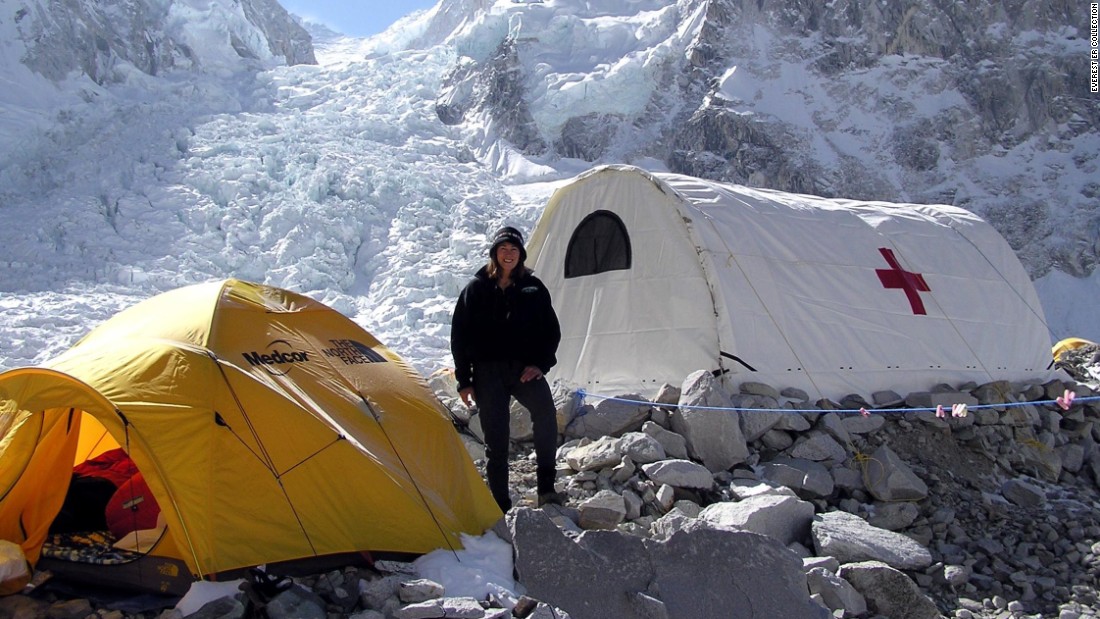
657 275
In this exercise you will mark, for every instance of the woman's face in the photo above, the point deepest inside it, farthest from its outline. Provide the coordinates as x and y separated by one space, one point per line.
507 256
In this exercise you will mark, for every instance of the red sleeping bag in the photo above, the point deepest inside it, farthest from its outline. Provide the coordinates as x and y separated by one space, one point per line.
132 508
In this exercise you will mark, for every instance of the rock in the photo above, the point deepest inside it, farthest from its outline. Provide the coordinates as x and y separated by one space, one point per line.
714 437
675 446
679 473
611 417
456 608
836 593
818 447
889 592
603 452
593 576
642 448
747 575
890 479
419 590
1023 494
850 538
893 516
297 602
221 608
808 479
605 510
783 518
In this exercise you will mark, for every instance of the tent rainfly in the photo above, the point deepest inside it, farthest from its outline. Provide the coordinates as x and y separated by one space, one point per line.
658 275
269 428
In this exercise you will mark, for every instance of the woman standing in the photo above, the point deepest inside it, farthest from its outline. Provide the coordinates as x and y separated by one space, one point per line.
504 338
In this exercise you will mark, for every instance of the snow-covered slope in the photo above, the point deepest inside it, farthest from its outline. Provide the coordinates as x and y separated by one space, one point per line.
342 181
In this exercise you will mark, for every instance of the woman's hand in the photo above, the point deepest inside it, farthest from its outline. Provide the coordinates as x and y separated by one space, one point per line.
530 373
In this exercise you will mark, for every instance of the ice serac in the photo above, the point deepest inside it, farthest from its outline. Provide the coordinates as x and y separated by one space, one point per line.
98 38
969 104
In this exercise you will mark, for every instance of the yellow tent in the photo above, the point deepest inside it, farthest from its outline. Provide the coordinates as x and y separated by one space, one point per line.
1070 343
269 428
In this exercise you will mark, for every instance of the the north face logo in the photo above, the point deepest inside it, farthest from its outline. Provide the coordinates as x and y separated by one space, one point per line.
352 352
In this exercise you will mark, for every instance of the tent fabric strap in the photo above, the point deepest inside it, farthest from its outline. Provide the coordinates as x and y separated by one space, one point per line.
737 359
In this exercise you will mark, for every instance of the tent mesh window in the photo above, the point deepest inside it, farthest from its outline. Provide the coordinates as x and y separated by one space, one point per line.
600 243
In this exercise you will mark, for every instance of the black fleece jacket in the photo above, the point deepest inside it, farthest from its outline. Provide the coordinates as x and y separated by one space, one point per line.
514 324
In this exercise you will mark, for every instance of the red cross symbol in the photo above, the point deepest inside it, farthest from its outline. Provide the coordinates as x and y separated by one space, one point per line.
896 277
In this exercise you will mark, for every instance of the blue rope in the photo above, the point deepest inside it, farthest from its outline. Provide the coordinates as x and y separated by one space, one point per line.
581 394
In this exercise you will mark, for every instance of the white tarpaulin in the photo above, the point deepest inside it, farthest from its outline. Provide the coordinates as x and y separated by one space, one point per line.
656 275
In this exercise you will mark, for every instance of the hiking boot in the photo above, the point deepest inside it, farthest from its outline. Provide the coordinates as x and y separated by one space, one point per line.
551 498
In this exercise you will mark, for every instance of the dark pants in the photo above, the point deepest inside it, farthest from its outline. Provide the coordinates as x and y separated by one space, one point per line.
495 383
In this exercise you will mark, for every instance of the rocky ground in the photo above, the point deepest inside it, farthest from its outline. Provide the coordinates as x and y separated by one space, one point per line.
1011 515
1037 557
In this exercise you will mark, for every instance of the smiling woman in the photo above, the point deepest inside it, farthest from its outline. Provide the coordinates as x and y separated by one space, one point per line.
354 18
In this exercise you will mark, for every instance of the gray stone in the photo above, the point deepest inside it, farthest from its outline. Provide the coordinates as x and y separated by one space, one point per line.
611 417
713 436
808 479
783 518
375 592
754 423
604 510
561 571
836 593
456 608
946 399
221 608
847 479
818 447
889 592
888 478
761 389
893 516
675 446
887 399
419 590
603 452
863 424
793 422
850 538
297 602
956 575
833 424
747 576
1023 494
668 394
1072 456
642 448
679 473
648 607
777 440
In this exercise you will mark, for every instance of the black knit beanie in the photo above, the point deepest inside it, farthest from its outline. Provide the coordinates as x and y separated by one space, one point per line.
508 234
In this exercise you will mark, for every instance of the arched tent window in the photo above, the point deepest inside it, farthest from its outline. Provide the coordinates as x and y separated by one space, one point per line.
600 243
